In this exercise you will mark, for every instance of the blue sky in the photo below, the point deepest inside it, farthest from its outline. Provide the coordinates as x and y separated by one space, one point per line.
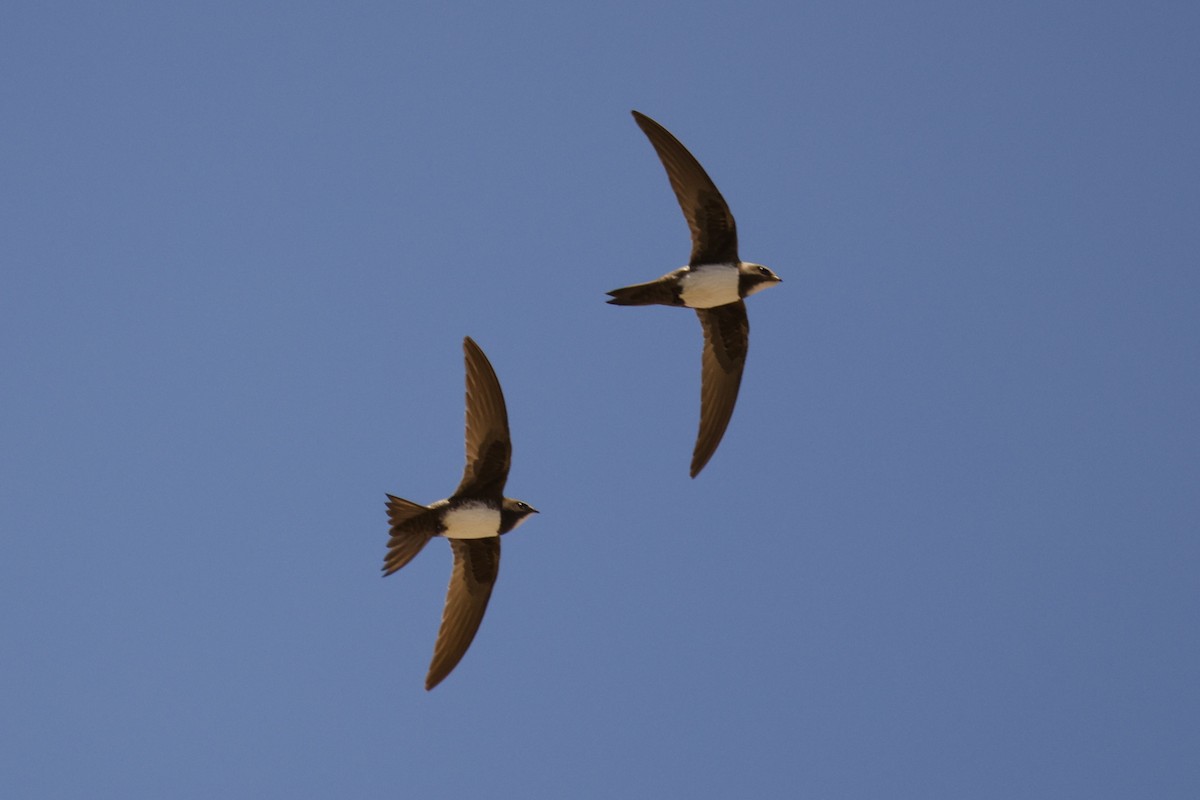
948 547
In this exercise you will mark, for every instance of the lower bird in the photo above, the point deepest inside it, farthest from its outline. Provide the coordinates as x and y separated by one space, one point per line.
714 283
473 518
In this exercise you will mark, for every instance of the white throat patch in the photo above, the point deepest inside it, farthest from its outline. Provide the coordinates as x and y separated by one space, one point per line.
758 287
709 285
472 521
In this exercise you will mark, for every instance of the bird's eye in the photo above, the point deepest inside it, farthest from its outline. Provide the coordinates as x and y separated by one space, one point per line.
763 271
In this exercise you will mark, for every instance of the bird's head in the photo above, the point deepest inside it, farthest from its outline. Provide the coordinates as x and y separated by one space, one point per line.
513 512
754 278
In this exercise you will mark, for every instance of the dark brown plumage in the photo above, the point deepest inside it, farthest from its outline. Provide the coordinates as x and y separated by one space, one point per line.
714 233
480 492
726 340
714 282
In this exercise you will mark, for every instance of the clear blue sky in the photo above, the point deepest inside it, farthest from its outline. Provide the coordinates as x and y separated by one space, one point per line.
948 548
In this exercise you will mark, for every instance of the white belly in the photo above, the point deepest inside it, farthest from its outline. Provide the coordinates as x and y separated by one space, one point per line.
475 521
710 285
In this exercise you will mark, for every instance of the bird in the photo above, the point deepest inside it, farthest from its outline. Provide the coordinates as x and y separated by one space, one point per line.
715 282
473 518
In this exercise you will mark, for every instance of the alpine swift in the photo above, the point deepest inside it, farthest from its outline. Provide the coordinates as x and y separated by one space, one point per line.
473 518
714 282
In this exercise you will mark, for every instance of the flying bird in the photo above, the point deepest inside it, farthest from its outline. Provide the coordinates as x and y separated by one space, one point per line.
714 282
473 518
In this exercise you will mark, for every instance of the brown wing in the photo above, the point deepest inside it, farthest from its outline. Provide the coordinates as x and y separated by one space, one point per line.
726 340
714 234
476 562
489 451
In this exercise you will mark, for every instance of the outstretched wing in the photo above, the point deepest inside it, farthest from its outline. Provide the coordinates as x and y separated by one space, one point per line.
714 233
489 451
476 563
726 340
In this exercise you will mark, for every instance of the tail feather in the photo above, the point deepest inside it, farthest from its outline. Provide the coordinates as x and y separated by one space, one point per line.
654 293
401 510
403 549
406 540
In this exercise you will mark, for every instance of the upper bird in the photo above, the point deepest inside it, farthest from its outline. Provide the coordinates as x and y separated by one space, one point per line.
473 518
714 282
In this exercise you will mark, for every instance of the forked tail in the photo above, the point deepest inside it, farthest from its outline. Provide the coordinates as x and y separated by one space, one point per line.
408 535
654 293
